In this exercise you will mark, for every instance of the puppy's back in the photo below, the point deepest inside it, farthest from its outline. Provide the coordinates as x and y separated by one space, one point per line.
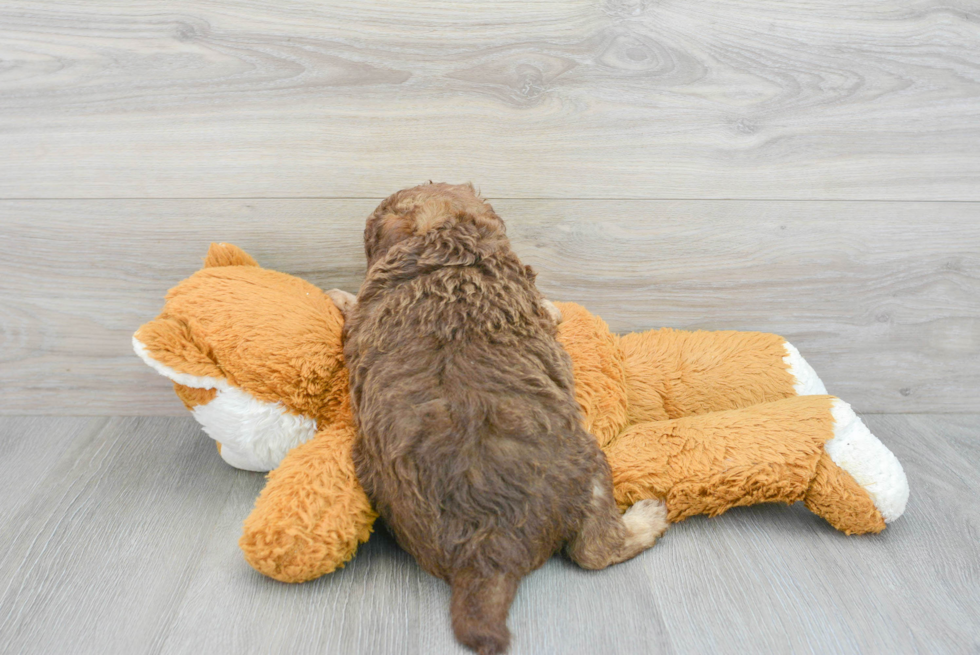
470 447
470 432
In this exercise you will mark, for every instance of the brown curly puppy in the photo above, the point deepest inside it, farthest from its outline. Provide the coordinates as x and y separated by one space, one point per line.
471 445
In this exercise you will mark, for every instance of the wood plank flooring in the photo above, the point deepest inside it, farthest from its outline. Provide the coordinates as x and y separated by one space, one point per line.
120 536
819 99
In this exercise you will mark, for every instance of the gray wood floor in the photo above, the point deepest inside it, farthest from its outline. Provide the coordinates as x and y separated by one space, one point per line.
119 536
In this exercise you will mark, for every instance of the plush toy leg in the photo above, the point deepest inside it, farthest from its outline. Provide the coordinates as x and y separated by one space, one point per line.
841 501
674 373
867 461
312 514
772 452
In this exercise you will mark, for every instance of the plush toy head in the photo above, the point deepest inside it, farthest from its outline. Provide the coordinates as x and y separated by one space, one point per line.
705 421
260 366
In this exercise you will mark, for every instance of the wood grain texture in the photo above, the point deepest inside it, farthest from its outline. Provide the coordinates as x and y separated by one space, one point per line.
128 545
530 98
36 444
882 298
110 558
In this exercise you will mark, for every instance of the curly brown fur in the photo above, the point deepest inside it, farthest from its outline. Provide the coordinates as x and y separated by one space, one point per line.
471 445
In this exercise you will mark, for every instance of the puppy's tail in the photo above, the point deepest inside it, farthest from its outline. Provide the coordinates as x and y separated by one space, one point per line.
479 609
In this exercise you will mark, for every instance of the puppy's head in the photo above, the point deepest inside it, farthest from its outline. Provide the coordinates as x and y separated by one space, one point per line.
414 212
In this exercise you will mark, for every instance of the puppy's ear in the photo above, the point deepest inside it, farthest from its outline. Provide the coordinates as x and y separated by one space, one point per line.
530 274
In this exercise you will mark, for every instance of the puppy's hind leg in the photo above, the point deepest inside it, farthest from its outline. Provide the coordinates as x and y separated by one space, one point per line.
608 537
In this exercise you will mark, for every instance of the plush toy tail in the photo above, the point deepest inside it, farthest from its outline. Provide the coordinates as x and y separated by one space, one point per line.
479 609
225 254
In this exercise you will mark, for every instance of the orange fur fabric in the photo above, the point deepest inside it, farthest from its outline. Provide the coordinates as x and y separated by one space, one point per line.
312 513
705 421
710 421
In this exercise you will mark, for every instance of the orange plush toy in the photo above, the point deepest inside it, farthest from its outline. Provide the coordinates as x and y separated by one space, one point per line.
704 421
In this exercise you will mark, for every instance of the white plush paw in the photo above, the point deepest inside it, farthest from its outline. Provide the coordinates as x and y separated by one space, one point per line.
870 463
646 521
806 381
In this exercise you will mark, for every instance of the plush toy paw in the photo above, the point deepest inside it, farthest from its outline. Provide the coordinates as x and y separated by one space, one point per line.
809 448
858 484
855 450
868 461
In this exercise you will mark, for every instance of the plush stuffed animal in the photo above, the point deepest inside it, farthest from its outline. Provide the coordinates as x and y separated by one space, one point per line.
704 421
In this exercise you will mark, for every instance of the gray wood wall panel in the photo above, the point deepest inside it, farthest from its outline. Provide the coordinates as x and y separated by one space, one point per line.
615 98
882 298
129 545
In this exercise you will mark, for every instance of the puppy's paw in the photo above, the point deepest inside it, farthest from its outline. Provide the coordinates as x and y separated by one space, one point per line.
646 521
343 300
552 310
